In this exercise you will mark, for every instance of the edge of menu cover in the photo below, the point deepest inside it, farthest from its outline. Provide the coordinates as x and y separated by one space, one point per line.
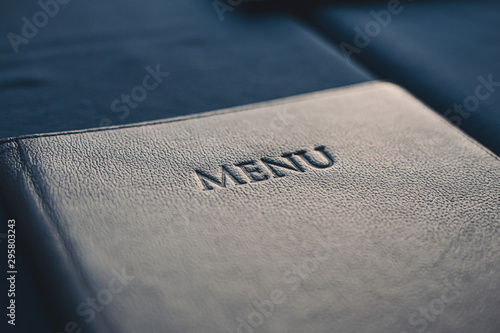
252 106
247 107
48 253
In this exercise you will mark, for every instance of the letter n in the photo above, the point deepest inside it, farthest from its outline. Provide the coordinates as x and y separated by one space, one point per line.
273 165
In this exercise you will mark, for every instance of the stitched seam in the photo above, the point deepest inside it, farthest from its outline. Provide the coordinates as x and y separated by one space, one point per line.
254 106
465 135
453 127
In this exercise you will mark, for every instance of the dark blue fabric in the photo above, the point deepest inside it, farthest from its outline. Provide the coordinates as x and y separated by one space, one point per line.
439 50
92 52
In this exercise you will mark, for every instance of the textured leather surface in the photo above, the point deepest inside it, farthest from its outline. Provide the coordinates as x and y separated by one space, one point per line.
392 207
438 50
90 53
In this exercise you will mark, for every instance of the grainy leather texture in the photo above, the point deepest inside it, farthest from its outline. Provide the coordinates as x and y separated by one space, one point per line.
395 211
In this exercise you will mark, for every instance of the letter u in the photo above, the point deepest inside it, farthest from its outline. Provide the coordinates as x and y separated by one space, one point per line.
315 162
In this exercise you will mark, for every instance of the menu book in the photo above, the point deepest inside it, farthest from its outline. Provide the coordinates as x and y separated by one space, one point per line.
349 210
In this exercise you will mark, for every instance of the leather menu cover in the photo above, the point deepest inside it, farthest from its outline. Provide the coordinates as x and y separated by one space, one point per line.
350 210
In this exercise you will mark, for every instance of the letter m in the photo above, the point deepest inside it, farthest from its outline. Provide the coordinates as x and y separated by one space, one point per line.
207 180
